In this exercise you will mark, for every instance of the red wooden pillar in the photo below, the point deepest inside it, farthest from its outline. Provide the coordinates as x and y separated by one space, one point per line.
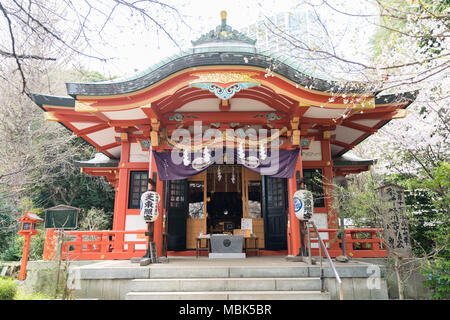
158 224
23 264
49 245
328 191
294 227
121 201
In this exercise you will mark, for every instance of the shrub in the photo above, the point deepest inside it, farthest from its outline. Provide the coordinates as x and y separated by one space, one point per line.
438 278
8 289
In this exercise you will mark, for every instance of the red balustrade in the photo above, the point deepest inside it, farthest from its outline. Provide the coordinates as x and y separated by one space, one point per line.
96 245
114 245
360 243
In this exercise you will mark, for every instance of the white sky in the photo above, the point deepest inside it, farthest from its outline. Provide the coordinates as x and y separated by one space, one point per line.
136 47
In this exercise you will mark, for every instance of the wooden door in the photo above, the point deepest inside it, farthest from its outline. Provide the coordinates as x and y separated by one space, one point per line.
275 213
196 223
252 180
176 214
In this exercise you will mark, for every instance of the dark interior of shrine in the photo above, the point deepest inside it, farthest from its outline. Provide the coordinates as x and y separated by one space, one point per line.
224 211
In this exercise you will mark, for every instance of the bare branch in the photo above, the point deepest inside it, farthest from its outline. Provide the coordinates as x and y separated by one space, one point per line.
25 56
13 46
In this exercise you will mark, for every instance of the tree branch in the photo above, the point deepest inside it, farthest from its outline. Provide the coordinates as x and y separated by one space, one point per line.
13 46
25 56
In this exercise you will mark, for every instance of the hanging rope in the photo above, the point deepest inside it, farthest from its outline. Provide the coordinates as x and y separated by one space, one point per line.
224 138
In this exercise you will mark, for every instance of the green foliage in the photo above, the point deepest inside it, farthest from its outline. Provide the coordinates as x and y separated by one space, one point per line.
67 185
429 223
37 168
429 215
438 182
8 229
37 245
8 289
385 35
95 219
438 278
360 201
23 295
13 247
421 218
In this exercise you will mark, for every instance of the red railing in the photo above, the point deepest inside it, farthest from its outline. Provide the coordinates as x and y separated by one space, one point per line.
360 242
113 245
96 245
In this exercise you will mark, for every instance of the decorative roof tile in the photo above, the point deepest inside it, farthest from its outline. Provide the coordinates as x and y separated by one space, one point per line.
223 32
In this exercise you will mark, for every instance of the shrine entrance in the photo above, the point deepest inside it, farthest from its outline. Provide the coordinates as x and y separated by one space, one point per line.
219 200
224 199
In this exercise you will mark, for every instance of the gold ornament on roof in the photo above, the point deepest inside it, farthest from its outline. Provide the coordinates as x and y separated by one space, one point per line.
224 77
223 14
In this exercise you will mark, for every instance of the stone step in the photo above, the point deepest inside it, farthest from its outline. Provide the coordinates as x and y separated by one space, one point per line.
229 272
176 272
230 295
223 284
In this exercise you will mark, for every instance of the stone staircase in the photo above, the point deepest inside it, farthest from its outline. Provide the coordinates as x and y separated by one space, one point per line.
243 279
226 283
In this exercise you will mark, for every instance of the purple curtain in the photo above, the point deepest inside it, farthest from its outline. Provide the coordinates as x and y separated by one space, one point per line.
280 164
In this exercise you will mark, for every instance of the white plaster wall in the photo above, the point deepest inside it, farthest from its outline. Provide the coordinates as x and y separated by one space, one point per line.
314 153
321 222
103 137
137 155
131 114
134 222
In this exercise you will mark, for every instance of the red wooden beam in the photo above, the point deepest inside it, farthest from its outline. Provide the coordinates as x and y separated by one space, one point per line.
92 129
77 118
101 116
271 102
177 104
320 121
358 126
298 111
86 138
373 116
180 98
342 144
108 146
128 123
244 117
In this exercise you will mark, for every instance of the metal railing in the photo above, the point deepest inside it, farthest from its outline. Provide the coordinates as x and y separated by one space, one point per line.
333 268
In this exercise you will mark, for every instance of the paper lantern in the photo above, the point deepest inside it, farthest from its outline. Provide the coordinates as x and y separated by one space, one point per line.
303 204
149 206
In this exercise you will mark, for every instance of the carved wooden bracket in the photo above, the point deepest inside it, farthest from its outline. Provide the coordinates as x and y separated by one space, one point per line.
154 134
295 131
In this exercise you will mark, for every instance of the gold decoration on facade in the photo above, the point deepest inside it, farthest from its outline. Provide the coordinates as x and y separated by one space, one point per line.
223 14
400 114
50 116
84 107
365 103
224 77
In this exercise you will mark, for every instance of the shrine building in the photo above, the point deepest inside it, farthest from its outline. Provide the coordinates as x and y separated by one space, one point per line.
229 133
